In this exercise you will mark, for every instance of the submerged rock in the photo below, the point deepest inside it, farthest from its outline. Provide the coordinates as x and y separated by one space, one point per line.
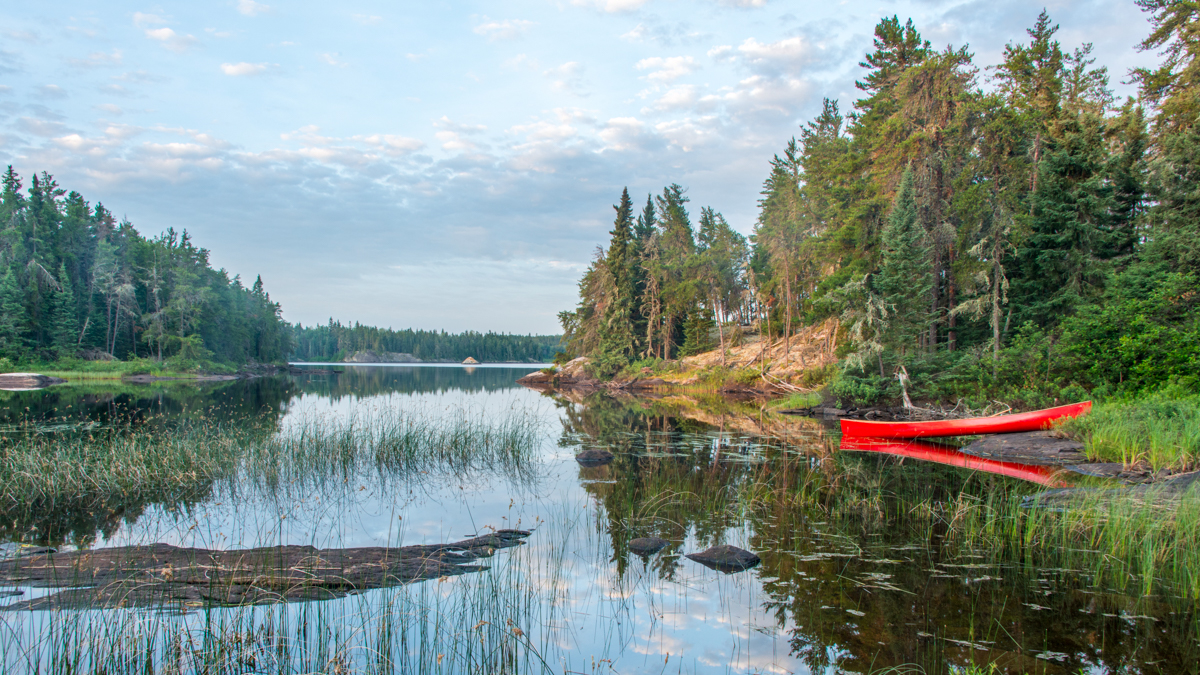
647 545
594 457
726 558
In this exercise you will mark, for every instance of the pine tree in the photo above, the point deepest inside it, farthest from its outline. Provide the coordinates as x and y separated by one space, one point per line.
904 277
12 315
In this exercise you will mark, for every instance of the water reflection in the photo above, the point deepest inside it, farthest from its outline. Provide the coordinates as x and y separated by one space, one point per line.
865 564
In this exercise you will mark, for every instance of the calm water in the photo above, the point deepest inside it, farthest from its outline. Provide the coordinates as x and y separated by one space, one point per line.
852 578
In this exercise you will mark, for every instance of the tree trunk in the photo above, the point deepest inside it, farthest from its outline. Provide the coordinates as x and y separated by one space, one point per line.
787 325
720 329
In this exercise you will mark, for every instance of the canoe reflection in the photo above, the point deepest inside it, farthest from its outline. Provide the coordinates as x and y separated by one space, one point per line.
952 456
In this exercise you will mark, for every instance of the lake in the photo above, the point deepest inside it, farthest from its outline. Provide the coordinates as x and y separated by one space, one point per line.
869 562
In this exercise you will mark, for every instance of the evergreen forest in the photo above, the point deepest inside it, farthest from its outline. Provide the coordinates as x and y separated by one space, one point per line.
76 283
334 342
1001 229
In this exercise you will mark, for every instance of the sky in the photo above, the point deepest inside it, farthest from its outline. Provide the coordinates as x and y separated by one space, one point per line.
448 165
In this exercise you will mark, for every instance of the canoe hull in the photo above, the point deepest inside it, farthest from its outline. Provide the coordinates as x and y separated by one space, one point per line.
1002 424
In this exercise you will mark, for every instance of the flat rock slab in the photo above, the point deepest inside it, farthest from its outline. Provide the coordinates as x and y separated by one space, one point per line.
24 381
1166 493
161 574
594 457
647 545
1030 447
726 558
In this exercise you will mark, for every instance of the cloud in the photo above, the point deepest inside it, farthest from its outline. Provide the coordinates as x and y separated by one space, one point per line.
143 20
568 77
51 91
509 29
664 34
367 19
744 4
5 89
170 39
332 59
109 108
611 6
669 69
773 58
243 68
99 60
252 8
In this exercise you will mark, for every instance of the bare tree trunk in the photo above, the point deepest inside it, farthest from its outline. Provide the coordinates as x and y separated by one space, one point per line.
787 326
720 329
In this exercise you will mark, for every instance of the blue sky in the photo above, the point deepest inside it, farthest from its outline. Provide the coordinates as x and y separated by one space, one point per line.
446 165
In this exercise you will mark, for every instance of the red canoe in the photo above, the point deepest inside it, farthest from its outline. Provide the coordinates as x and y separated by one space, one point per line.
942 454
1001 424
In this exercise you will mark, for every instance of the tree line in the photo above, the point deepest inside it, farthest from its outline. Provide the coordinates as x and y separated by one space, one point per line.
953 220
76 282
333 342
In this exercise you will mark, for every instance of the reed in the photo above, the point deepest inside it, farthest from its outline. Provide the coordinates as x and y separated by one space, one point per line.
48 472
1162 430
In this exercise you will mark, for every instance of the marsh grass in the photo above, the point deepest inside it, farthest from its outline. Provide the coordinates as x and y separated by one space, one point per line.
45 472
1162 430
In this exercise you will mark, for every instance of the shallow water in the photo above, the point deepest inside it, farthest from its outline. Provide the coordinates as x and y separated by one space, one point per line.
853 577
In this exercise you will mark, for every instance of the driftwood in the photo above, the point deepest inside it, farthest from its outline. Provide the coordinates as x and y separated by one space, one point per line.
162 575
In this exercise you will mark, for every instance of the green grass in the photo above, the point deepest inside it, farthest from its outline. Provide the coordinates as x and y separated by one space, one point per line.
806 400
99 470
1162 430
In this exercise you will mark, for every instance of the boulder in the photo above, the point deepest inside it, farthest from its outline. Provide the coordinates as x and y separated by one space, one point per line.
647 545
726 558
470 361
594 457
536 377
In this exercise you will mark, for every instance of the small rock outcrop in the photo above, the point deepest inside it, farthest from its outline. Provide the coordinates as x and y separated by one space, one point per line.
369 356
594 457
470 361
647 545
726 558
1030 447
573 373
21 381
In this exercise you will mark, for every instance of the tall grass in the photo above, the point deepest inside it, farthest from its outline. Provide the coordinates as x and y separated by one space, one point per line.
1162 430
66 470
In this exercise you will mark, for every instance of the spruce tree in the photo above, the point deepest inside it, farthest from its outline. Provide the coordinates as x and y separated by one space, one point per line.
64 322
904 277
12 315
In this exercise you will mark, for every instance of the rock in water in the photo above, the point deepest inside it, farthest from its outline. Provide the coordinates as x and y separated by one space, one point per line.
594 457
726 558
470 360
647 545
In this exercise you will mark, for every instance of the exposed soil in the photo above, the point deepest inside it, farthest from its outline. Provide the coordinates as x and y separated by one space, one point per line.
160 574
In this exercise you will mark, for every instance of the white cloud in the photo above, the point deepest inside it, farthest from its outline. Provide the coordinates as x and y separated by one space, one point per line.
509 29
332 59
677 98
610 6
669 69
142 20
744 4
110 109
99 59
243 68
51 91
367 19
252 8
568 76
771 58
170 39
